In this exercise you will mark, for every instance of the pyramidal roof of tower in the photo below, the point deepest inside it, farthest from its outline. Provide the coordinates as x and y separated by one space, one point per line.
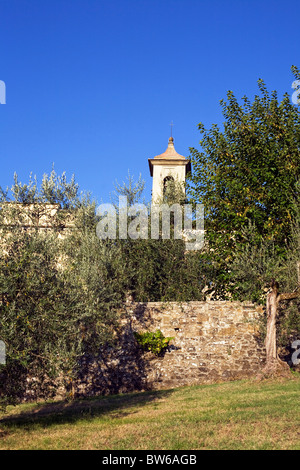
170 152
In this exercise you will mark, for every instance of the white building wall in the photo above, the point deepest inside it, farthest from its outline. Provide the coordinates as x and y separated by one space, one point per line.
159 174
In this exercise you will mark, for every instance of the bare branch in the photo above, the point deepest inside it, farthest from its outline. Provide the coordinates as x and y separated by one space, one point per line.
289 295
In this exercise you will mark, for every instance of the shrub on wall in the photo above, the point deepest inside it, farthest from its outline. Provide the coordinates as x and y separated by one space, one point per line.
155 342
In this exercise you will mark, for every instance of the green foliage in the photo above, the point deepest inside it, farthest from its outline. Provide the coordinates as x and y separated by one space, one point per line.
59 295
130 189
256 261
159 270
155 342
247 172
59 303
54 189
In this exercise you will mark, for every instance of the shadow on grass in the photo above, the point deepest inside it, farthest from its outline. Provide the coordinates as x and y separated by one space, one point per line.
115 383
66 412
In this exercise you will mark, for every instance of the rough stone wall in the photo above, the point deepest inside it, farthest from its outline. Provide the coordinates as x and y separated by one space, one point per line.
213 341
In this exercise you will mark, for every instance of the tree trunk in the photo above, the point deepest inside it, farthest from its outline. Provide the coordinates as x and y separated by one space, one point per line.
270 342
274 365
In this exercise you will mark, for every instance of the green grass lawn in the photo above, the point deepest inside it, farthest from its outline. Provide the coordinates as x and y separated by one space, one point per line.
233 415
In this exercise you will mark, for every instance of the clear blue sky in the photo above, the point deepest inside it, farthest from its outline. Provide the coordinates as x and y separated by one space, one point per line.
92 85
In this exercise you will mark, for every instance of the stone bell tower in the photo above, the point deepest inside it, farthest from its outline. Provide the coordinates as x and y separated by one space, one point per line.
166 166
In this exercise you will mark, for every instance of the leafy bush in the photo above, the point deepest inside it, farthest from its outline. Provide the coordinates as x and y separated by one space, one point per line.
155 342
